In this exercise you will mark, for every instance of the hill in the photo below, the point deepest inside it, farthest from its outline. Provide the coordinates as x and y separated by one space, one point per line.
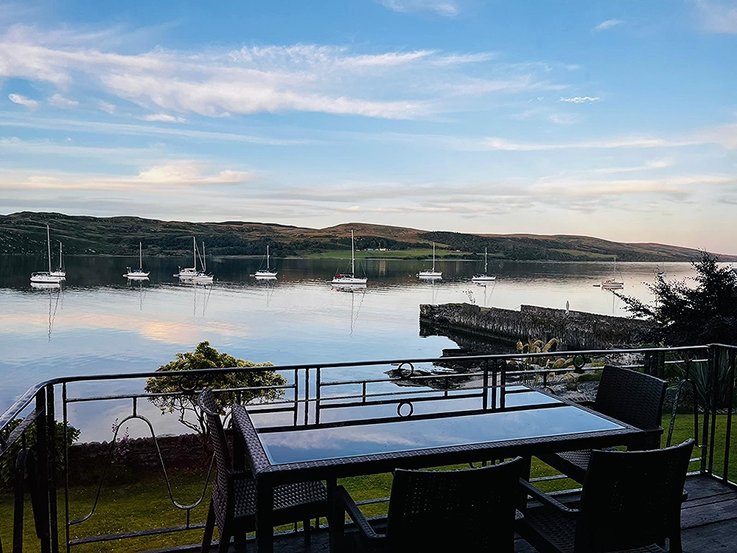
24 233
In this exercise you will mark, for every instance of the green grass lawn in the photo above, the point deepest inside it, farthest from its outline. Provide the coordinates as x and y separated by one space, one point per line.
145 504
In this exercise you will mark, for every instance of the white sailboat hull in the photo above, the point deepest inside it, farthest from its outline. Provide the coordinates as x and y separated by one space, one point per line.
348 280
612 284
265 274
46 285
138 274
483 278
46 278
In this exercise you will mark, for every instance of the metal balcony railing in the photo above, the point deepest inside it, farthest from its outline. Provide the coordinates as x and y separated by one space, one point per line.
40 463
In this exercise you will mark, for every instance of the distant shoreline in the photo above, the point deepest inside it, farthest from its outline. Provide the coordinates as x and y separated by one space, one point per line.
24 233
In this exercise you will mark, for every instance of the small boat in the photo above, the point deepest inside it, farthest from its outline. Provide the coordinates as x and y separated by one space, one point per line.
349 279
264 274
431 274
192 274
612 283
47 277
484 277
137 274
61 271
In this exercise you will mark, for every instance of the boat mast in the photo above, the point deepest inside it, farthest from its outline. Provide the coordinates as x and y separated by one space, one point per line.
194 253
353 257
486 260
61 264
267 257
204 259
48 245
433 257
140 256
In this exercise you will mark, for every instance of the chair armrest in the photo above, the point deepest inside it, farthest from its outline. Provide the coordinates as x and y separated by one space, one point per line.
344 502
547 499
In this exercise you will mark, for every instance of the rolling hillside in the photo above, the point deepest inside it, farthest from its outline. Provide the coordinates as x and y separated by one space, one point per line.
24 233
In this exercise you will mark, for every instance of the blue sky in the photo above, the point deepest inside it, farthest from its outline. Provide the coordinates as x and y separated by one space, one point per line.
610 119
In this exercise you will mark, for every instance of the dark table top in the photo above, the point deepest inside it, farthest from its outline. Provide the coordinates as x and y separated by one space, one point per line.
353 438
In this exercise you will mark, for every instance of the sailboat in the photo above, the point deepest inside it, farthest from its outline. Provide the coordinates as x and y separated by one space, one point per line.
431 274
266 273
192 274
47 277
137 274
61 271
348 279
613 283
485 276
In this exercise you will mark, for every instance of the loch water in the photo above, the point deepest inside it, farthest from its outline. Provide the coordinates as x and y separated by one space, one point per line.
98 322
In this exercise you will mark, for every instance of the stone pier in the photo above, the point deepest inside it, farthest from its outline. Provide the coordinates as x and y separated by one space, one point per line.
574 329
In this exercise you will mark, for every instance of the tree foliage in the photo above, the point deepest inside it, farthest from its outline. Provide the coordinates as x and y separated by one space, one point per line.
701 311
179 394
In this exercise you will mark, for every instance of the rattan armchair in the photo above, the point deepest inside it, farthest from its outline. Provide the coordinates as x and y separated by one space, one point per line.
626 395
233 504
630 502
464 510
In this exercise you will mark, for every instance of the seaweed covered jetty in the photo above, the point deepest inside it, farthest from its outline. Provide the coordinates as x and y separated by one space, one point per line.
573 329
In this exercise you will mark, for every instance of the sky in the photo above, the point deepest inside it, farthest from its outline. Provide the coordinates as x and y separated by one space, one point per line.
599 118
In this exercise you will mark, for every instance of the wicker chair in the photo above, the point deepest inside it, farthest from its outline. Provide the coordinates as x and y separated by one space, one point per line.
626 395
233 504
465 510
631 502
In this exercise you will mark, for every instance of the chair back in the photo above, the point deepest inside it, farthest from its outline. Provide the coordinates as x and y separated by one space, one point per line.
207 403
465 510
632 498
632 397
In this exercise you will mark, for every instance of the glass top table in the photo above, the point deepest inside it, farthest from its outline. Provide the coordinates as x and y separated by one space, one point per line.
339 437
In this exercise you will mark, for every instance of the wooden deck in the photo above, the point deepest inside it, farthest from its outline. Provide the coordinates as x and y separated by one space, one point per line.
709 523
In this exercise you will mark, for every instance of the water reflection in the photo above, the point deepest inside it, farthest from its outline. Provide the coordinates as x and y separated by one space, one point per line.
54 291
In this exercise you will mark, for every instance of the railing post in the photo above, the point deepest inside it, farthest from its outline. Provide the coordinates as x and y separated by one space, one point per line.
730 406
42 507
51 441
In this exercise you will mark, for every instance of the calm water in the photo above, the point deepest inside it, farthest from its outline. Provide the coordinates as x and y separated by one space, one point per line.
99 323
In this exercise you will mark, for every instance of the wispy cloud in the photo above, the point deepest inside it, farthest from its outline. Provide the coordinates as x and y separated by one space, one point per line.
445 8
261 79
608 24
581 99
163 178
717 16
500 144
189 173
23 101
163 118
59 101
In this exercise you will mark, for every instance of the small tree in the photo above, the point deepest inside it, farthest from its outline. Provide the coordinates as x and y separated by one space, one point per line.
179 394
692 315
